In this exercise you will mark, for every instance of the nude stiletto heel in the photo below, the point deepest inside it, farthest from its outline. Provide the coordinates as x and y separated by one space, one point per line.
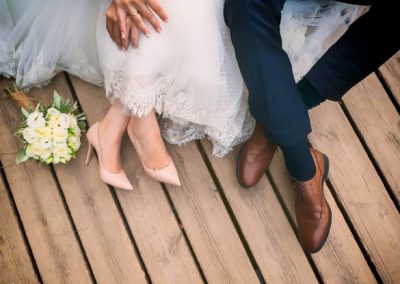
119 179
89 154
168 174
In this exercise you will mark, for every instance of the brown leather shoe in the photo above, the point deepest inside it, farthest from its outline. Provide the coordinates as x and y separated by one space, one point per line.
254 158
313 213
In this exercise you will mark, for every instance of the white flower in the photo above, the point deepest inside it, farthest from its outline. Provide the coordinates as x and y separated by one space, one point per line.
61 153
77 131
74 142
46 156
53 120
29 152
36 120
73 122
64 120
60 135
38 149
45 143
52 111
43 132
30 135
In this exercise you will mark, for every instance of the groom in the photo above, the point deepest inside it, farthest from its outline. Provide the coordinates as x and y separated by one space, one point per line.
279 105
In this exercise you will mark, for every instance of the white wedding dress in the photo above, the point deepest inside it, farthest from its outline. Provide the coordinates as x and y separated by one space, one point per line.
188 73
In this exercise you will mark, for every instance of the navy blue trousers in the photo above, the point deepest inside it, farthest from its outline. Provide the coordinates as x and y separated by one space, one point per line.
274 99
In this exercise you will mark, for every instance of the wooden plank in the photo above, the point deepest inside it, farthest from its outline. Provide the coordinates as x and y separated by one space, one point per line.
15 263
49 231
104 238
359 189
212 234
264 225
340 260
391 74
379 124
158 236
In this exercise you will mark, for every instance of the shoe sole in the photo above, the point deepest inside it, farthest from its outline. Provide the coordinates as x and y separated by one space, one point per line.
325 177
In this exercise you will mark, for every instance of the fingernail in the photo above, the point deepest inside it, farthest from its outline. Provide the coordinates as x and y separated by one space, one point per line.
166 20
159 29
148 35
123 35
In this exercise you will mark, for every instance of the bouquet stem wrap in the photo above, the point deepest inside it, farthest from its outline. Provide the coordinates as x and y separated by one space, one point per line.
20 98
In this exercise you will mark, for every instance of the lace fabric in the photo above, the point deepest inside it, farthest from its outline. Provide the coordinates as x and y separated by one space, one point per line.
188 73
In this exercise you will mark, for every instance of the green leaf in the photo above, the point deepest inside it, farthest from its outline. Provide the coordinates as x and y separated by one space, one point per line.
24 112
21 157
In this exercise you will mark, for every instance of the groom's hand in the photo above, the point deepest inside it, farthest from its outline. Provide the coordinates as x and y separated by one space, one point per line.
138 10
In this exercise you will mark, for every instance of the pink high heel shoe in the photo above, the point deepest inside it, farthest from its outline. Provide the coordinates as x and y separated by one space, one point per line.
167 174
119 179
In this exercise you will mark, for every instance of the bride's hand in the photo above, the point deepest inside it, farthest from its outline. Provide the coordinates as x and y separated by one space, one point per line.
138 10
133 34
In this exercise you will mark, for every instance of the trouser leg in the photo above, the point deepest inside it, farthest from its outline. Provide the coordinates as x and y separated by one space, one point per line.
367 44
274 99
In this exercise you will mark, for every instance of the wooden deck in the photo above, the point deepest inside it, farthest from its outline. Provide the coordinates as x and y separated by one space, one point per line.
63 225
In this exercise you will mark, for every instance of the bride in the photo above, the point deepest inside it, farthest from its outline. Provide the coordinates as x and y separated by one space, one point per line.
183 70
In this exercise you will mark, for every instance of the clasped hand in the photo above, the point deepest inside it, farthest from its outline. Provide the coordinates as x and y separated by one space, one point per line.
125 19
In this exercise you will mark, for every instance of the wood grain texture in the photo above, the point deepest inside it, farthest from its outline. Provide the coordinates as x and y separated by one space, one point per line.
391 75
359 189
104 238
207 223
15 263
379 124
264 225
340 260
152 222
45 220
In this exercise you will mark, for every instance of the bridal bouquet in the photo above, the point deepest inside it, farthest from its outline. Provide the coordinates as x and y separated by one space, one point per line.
51 134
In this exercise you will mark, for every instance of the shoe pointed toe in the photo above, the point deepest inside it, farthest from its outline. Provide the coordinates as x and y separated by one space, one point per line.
168 174
119 180
173 177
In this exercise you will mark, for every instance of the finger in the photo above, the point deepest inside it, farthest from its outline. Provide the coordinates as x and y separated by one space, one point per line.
148 14
117 36
158 9
125 41
112 33
140 24
109 28
134 34
121 14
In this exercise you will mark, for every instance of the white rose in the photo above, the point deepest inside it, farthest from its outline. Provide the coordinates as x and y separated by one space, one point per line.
77 131
30 135
43 132
74 142
61 153
30 153
60 135
64 121
36 120
37 150
73 122
52 111
46 155
45 143
53 120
